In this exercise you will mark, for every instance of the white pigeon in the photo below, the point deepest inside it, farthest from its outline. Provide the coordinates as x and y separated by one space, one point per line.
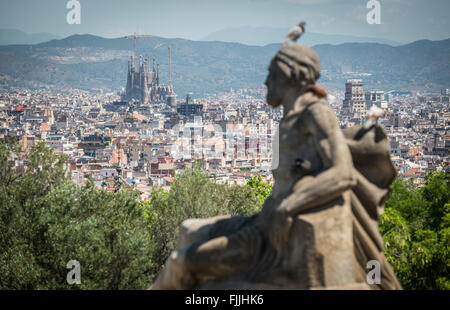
374 114
295 33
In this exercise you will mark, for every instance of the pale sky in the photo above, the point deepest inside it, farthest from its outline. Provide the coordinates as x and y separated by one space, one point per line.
401 20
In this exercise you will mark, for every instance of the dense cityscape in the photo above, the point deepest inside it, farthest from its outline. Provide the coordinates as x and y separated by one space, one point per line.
142 136
212 148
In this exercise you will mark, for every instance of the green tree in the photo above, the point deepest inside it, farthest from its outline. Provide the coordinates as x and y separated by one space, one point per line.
415 228
46 221
22 197
262 189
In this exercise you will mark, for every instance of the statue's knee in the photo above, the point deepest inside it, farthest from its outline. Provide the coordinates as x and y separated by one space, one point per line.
196 230
190 231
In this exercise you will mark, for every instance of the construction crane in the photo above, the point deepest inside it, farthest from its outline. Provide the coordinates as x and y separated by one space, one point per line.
135 36
170 65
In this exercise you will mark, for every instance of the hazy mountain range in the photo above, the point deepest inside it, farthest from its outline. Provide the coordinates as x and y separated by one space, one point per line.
89 62
266 35
14 36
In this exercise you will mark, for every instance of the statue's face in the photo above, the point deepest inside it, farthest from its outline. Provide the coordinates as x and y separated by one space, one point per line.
275 83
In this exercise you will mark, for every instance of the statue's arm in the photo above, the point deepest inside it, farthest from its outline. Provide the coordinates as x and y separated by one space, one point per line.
337 175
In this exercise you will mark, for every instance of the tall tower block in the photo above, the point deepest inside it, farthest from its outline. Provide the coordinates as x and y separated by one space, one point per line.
354 101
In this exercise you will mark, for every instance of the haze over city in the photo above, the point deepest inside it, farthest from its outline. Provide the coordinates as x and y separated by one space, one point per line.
401 20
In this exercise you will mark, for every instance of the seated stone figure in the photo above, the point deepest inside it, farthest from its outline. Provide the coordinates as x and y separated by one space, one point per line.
318 230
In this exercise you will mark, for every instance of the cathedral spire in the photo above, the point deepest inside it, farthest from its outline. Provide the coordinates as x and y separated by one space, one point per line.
157 75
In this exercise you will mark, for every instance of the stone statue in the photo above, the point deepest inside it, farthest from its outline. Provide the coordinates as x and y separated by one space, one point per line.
319 229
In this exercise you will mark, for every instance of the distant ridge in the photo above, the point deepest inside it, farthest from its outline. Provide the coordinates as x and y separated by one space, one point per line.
261 36
92 62
14 36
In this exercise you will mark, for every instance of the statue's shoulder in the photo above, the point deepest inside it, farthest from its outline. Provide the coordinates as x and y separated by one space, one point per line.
316 107
319 114
319 105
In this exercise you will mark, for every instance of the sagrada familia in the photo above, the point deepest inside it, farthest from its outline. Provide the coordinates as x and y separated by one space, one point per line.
143 84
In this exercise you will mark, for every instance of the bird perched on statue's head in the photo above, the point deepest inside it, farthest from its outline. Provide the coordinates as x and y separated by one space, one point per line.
295 33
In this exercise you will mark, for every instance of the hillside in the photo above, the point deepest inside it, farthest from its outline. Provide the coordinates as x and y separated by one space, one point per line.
14 36
88 62
267 35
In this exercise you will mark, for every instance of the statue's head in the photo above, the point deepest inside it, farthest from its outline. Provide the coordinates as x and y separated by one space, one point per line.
294 66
